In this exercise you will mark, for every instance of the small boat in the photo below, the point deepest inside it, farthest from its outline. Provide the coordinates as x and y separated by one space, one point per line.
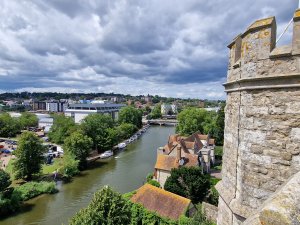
121 145
106 154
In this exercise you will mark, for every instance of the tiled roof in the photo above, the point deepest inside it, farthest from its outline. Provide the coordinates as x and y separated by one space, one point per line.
167 162
164 203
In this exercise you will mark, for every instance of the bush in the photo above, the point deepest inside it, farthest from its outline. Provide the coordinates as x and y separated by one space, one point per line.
4 180
107 207
188 182
149 177
32 189
153 183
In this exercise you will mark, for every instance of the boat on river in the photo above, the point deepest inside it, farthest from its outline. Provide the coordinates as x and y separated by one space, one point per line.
106 154
122 145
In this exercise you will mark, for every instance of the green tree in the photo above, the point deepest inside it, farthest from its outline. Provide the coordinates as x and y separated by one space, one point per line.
191 120
156 112
131 115
220 123
188 182
4 180
96 126
28 120
29 156
125 130
80 146
68 167
106 208
62 128
9 126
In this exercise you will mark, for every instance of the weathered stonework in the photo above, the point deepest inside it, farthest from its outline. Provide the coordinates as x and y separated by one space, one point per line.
262 120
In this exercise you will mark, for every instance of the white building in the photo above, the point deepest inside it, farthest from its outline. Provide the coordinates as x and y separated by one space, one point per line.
52 106
166 109
56 106
45 123
80 111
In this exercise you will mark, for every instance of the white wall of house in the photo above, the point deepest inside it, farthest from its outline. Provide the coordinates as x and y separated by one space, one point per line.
161 176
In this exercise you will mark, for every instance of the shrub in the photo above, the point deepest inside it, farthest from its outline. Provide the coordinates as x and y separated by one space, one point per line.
153 183
107 207
32 189
149 176
188 182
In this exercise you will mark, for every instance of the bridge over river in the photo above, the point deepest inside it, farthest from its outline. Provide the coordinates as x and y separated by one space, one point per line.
162 122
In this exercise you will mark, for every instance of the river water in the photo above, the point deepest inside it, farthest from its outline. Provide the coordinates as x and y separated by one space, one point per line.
125 172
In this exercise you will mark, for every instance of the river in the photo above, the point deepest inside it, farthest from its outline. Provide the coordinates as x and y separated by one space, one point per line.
125 172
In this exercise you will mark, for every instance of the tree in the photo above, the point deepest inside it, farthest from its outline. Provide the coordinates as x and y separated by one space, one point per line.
80 146
188 182
125 130
68 167
29 156
9 126
96 126
62 128
131 115
156 112
106 208
220 124
28 120
4 180
191 120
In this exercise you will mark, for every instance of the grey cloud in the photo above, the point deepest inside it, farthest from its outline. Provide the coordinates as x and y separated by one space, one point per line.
50 44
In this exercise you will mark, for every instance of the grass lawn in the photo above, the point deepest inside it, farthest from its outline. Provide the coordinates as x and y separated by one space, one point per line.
9 168
49 169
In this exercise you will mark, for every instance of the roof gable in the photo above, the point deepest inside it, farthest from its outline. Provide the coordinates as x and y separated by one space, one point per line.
164 203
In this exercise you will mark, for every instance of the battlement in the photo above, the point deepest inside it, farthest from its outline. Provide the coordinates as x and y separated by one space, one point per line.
253 54
262 122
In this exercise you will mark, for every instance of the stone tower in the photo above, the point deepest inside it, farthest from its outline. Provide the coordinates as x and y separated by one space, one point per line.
262 119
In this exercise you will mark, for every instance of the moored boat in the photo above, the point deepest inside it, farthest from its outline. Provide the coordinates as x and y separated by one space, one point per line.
106 154
121 145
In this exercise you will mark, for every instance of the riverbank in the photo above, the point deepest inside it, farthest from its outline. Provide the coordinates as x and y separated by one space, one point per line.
124 172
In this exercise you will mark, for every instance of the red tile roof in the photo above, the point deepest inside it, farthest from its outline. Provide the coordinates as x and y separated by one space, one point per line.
167 162
164 203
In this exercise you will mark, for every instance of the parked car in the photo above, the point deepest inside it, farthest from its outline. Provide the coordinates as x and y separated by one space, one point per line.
6 151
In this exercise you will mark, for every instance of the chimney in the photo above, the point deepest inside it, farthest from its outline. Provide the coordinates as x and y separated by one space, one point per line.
178 156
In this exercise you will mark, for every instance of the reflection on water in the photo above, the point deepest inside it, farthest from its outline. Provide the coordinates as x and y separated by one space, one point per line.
125 172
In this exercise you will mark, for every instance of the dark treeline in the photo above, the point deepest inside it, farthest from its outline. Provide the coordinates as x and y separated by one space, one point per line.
41 96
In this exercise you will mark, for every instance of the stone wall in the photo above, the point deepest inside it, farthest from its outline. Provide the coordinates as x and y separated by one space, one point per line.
262 120
282 207
210 211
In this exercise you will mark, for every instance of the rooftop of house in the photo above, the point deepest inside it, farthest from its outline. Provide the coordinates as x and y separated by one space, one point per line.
195 141
168 162
162 202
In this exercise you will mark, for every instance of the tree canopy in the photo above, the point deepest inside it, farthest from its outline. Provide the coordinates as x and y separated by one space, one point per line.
131 115
9 126
191 120
62 128
28 120
106 208
96 126
29 156
125 130
79 145
4 180
188 182
156 112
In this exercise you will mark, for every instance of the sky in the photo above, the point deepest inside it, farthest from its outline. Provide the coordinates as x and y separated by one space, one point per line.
172 48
